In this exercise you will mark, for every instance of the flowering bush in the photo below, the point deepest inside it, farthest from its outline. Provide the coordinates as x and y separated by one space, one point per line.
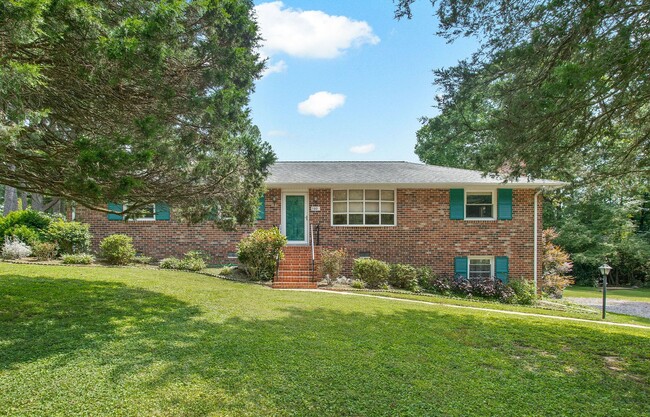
14 248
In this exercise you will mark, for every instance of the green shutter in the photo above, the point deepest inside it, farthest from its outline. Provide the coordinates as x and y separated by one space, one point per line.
456 204
504 204
115 207
261 211
501 268
460 266
162 211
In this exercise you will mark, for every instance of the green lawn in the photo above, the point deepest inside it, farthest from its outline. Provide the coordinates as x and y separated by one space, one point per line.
132 342
638 294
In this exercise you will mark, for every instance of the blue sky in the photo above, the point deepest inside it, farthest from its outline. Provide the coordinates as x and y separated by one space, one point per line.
369 77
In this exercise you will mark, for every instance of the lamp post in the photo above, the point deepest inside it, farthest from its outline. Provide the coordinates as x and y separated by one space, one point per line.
604 271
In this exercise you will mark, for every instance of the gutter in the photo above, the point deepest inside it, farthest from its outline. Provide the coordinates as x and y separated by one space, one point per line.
535 237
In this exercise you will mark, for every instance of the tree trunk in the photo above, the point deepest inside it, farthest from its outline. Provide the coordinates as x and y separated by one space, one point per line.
37 202
11 200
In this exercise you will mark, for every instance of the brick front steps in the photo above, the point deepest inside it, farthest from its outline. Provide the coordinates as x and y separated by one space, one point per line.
295 270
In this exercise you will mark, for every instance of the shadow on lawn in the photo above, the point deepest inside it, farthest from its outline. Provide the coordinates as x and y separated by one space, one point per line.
307 362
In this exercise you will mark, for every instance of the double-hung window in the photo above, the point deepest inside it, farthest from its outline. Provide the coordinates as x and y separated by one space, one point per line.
479 205
363 207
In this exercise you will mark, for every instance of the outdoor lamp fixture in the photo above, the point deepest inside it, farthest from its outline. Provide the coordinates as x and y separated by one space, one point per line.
604 271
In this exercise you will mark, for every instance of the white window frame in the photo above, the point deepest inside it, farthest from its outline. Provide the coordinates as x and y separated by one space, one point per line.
143 219
494 204
471 258
394 201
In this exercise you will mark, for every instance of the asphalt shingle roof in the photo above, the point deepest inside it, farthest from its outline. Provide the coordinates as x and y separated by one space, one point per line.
406 174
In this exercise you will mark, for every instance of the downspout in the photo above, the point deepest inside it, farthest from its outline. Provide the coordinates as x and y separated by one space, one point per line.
535 234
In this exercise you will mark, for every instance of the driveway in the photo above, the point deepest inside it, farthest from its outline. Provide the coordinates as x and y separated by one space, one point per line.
633 308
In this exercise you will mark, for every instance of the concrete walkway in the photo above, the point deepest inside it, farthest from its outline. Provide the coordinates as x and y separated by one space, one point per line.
632 308
513 313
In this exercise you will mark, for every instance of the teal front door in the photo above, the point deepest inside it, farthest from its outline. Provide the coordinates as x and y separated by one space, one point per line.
295 218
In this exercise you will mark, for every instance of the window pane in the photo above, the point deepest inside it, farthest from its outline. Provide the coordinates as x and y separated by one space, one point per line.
356 218
356 194
340 195
480 268
479 198
387 207
388 195
340 207
479 211
372 207
340 219
372 218
356 207
388 219
372 194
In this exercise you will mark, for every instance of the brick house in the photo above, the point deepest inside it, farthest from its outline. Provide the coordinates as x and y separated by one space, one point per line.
453 220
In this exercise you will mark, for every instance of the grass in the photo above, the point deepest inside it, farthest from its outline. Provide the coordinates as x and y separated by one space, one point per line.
79 341
636 294
562 310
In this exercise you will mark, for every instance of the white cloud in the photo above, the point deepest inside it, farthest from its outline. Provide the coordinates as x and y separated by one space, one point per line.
321 104
309 33
367 148
275 67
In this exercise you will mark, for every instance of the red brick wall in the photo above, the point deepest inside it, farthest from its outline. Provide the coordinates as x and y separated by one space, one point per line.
424 234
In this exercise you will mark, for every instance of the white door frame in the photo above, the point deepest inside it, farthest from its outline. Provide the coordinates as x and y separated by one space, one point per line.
283 227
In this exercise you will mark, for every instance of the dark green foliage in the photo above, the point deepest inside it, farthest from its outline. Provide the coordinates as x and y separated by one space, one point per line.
557 88
117 249
71 237
27 225
260 252
524 291
138 101
403 276
373 272
603 224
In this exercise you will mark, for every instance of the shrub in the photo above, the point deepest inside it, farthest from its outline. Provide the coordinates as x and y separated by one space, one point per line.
425 275
193 261
441 285
260 251
357 283
484 287
141 259
78 258
461 286
332 264
72 237
24 234
117 249
15 249
170 263
553 285
45 251
403 276
32 219
372 272
524 291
